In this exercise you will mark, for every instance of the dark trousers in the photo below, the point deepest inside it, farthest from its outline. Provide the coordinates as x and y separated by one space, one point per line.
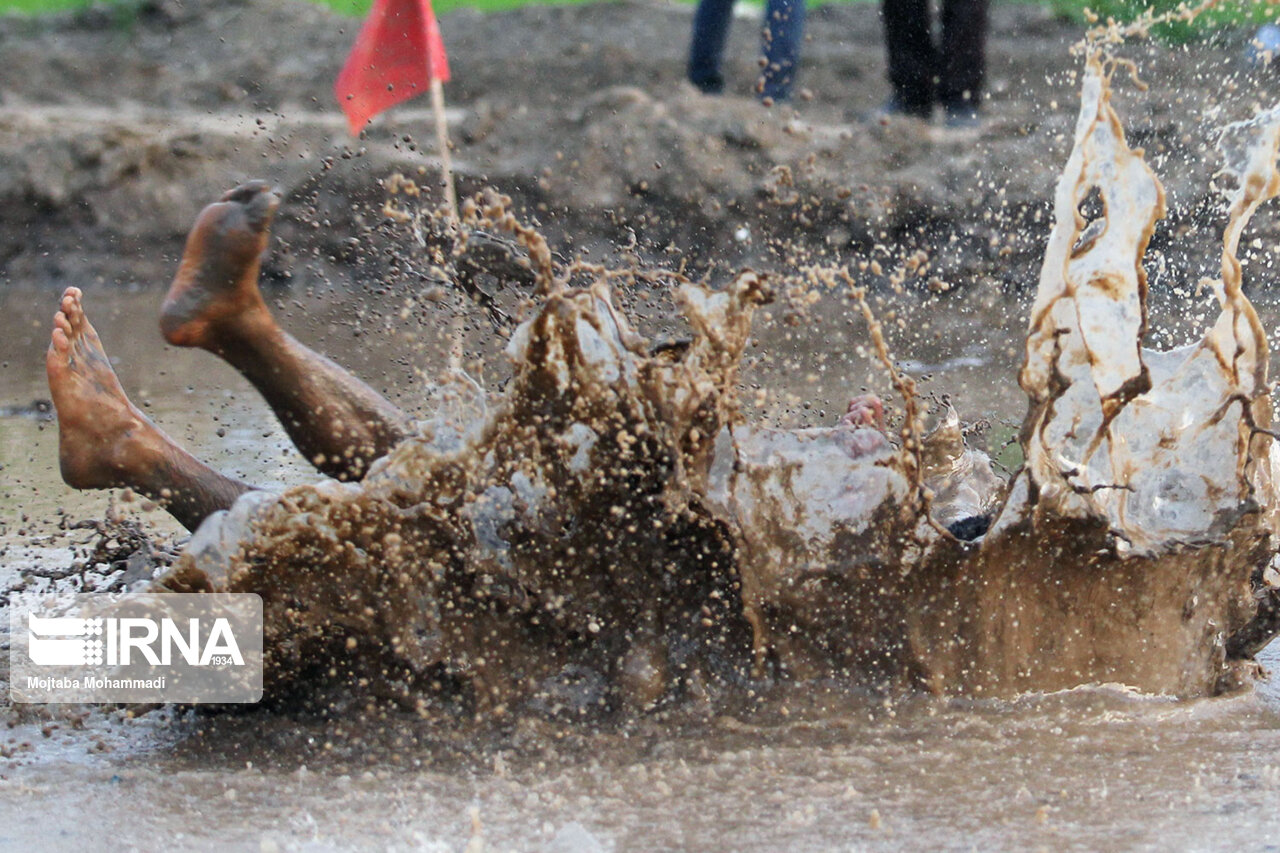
924 71
780 41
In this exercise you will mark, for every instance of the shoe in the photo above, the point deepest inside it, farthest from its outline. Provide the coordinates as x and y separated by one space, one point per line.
897 108
963 115
712 84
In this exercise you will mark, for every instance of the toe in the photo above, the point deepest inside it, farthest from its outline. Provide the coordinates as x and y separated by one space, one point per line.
59 343
57 359
71 309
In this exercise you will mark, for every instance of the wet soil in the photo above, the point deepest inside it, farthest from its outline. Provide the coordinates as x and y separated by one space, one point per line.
579 113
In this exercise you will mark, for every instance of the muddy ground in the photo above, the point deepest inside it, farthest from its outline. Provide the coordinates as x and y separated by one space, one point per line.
116 128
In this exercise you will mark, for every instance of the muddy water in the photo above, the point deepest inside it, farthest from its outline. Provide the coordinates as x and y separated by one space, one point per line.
1091 769
1087 769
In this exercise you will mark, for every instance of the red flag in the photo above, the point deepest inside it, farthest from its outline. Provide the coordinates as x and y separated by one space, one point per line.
396 56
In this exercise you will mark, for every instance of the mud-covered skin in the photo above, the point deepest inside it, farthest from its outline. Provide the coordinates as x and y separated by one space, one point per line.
216 287
864 410
104 441
101 435
338 422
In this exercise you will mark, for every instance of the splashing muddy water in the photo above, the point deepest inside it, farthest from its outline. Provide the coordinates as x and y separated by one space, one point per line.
608 534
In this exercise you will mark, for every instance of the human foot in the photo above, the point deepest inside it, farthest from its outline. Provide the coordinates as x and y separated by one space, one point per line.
216 286
102 437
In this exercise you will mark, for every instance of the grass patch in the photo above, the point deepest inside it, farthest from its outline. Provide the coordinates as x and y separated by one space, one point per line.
1235 13
36 7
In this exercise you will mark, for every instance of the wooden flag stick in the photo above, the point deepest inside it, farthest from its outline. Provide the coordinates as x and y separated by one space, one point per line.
442 141
451 203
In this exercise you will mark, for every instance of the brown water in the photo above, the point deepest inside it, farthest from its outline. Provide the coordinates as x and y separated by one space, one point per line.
1086 769
1090 769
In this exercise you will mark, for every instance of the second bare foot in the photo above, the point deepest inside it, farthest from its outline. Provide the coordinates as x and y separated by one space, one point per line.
216 286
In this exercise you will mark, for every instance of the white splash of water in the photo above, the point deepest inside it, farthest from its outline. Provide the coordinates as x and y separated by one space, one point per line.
1160 444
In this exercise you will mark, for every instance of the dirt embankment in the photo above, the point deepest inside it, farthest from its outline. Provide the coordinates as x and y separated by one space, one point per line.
115 130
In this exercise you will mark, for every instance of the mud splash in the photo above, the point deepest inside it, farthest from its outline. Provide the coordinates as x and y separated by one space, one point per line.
608 535
1135 540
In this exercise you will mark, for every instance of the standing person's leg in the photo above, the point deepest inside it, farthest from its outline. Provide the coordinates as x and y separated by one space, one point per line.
711 22
963 59
335 420
780 38
912 57
105 442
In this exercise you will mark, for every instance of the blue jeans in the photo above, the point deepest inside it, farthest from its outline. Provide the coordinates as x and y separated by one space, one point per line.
781 32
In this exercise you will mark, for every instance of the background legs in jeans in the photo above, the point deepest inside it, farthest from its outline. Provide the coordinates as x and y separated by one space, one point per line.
924 72
782 30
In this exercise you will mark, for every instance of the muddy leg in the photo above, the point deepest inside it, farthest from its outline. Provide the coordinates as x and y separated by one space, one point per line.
334 419
105 442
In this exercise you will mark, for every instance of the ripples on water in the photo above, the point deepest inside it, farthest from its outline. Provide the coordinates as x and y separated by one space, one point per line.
1092 768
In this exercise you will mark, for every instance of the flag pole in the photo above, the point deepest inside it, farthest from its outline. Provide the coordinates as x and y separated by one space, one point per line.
450 201
442 141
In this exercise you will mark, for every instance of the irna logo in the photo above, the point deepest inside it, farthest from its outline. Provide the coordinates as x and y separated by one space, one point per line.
135 647
71 641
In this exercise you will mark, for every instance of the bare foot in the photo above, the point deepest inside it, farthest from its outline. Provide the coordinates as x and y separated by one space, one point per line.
102 438
216 287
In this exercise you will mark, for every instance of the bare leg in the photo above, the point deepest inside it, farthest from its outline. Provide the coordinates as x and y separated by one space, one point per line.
334 419
104 442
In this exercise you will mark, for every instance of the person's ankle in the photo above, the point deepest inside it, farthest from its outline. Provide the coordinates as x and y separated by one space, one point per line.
240 336
708 84
897 106
962 113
